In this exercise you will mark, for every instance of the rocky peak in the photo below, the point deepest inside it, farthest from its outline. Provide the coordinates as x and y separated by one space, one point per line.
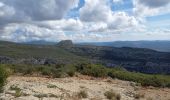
65 43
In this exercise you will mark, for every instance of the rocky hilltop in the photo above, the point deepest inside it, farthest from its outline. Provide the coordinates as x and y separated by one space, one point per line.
78 88
65 43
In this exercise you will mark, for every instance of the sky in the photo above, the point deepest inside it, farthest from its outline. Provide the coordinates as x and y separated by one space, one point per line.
84 20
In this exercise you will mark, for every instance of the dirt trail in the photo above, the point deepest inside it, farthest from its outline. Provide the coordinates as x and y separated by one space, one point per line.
36 88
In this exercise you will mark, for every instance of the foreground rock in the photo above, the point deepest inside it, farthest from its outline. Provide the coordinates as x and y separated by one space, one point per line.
77 88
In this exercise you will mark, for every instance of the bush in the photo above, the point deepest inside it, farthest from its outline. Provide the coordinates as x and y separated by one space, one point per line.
71 73
82 94
53 96
46 71
138 96
4 73
41 96
28 71
58 75
112 95
92 70
51 86
62 70
18 93
143 79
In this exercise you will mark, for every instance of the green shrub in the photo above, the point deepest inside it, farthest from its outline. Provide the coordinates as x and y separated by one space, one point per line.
46 71
28 71
143 79
69 70
51 86
17 90
18 93
62 70
57 74
4 73
92 70
71 73
53 96
41 96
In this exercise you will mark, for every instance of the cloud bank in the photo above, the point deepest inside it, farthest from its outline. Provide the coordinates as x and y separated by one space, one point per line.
96 20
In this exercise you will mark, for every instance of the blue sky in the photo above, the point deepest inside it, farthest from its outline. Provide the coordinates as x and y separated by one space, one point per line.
84 20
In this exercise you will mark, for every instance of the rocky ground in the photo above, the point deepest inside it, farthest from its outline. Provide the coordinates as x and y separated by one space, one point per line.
78 88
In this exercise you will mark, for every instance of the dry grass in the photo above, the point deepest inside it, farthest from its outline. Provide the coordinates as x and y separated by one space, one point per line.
149 98
40 95
111 95
82 94
138 96
51 86
53 96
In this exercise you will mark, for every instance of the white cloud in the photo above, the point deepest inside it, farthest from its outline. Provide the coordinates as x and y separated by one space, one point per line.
26 32
63 24
6 10
96 20
26 20
150 7
95 11
117 1
34 10
121 20
97 27
103 19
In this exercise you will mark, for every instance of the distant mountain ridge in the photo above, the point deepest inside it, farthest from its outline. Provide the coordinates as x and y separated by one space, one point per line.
163 46
40 42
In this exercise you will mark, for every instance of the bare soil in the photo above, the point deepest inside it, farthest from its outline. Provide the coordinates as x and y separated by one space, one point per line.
44 88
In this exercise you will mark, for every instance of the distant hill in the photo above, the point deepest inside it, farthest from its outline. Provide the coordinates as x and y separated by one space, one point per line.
65 43
133 59
163 46
40 42
35 54
155 45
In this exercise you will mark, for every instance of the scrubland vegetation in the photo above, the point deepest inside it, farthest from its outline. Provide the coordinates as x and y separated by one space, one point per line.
111 95
4 73
95 70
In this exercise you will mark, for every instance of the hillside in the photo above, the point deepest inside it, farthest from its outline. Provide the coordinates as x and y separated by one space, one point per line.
132 59
16 53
